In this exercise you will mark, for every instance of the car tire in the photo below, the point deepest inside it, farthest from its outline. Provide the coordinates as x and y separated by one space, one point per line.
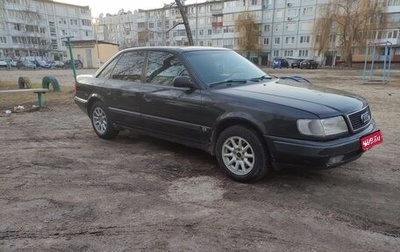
101 121
242 154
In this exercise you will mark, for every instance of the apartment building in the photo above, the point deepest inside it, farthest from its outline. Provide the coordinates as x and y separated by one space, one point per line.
286 27
389 37
37 28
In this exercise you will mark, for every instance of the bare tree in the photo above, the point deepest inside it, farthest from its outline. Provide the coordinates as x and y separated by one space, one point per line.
249 33
348 24
185 21
143 37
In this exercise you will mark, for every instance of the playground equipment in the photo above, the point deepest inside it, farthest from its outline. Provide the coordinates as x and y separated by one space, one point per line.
368 74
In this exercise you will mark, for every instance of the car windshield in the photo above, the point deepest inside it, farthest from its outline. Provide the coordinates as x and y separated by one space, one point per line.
220 67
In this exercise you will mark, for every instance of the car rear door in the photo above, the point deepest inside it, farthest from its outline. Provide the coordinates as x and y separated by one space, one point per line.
165 109
122 88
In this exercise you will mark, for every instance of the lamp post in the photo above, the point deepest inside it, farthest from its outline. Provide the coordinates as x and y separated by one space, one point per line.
95 23
71 55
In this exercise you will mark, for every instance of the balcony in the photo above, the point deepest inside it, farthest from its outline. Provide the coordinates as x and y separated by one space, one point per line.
393 9
382 42
217 24
383 37
217 9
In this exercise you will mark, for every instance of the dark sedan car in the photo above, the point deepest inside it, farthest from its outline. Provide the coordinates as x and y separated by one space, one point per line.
78 64
25 64
309 64
296 63
216 100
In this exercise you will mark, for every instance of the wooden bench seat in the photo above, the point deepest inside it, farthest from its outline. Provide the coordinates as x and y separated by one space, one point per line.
38 91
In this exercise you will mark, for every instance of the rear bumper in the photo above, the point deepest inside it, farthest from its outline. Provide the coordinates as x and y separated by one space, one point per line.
82 104
314 154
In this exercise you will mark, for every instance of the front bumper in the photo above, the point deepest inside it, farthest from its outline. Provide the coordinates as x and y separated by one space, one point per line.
316 154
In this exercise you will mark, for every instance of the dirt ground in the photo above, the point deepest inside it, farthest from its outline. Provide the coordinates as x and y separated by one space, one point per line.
64 189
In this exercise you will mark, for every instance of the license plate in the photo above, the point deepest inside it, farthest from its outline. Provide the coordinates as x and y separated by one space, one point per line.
367 142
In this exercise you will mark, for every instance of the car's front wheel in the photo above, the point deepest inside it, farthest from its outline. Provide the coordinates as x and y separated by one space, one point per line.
101 121
242 154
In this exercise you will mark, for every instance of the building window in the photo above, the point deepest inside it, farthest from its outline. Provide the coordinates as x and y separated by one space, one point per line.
86 22
276 53
17 27
303 53
209 31
304 39
277 41
393 2
3 40
266 41
267 28
289 40
288 53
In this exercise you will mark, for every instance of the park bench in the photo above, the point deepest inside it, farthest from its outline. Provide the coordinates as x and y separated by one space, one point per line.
38 91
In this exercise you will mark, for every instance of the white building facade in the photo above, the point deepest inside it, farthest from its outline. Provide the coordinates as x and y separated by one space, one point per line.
38 28
286 26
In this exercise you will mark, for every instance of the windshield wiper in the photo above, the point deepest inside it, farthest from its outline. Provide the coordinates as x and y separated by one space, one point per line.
264 77
230 81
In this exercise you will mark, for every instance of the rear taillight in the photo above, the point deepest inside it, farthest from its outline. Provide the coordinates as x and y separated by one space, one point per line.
75 87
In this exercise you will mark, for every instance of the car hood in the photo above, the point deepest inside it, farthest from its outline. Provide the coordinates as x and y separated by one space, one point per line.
320 101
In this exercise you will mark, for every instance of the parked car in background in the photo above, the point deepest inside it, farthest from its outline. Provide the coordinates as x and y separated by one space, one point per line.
216 100
78 64
41 64
25 64
3 62
296 63
280 63
57 64
309 64
12 62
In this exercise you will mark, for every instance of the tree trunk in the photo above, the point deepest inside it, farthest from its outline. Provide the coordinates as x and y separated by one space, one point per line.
185 22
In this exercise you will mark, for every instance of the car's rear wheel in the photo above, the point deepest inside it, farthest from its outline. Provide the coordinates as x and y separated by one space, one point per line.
242 154
101 121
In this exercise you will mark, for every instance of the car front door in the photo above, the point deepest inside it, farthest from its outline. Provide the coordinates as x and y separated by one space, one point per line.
167 110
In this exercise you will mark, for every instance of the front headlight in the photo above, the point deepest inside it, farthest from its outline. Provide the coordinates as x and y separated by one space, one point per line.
322 127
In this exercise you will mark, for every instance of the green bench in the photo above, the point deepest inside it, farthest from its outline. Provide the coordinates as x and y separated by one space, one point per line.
38 91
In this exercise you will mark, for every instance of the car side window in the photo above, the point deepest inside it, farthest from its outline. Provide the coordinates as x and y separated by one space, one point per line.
163 67
129 66
107 71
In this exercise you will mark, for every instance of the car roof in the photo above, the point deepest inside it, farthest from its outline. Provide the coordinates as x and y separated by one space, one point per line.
179 49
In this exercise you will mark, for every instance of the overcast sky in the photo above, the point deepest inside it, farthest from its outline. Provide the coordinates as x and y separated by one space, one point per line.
113 6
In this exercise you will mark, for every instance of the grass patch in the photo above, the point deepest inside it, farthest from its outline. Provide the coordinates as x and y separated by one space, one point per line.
10 100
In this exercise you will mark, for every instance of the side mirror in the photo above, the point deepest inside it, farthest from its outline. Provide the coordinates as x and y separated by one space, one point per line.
183 82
